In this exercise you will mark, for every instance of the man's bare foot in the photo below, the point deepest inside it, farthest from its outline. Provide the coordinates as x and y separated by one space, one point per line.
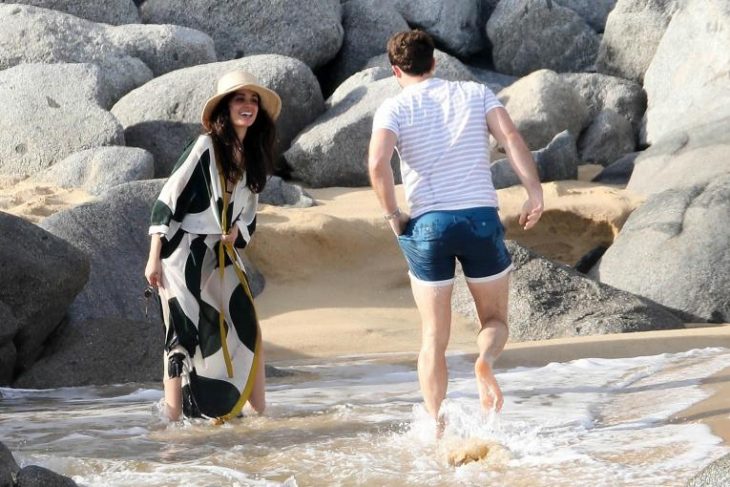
440 426
490 394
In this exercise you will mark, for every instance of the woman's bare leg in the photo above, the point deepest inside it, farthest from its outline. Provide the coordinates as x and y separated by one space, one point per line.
257 400
173 398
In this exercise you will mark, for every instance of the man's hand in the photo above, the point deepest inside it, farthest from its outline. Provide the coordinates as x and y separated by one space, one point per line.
520 158
398 224
531 212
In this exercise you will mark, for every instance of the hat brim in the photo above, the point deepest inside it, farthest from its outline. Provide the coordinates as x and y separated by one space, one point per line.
268 100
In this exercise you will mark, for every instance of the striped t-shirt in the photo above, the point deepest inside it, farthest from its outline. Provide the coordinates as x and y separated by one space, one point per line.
443 143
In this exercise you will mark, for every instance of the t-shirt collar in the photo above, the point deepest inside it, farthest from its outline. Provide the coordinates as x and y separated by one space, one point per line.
422 84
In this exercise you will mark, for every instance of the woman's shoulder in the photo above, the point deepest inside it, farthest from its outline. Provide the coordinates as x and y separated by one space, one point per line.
203 140
194 147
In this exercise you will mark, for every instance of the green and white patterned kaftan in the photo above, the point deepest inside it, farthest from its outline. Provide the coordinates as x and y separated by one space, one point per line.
212 334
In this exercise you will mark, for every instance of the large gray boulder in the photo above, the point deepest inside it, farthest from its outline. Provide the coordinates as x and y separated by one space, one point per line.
8 354
602 92
608 137
43 274
129 55
164 115
674 250
332 151
551 300
278 192
688 73
43 121
594 12
528 35
456 26
97 170
633 31
8 324
356 81
309 31
619 171
115 12
8 466
716 474
556 162
684 158
494 80
164 48
544 104
37 476
100 352
368 25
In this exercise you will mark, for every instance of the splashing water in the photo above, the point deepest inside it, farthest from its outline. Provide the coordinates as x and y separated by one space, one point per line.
359 421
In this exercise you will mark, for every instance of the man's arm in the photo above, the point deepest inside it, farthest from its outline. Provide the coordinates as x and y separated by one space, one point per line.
382 145
520 158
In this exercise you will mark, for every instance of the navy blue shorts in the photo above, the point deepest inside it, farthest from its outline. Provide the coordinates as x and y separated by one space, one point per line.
433 241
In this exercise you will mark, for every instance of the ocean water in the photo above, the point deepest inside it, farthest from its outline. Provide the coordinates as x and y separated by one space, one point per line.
359 421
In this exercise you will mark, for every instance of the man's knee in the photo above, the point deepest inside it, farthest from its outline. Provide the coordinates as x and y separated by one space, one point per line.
494 323
492 311
434 343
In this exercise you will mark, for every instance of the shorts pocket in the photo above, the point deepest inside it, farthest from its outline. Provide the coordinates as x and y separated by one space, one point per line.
430 227
407 232
487 226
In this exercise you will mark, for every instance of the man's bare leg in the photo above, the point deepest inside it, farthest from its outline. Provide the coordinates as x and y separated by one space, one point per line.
434 306
173 398
491 299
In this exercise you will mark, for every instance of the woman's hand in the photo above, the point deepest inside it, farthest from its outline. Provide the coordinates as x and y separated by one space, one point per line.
230 237
153 269
153 272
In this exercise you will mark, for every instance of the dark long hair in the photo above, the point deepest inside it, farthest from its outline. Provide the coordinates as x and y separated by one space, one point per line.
258 146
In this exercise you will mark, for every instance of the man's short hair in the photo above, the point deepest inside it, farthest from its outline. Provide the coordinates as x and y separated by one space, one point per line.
411 51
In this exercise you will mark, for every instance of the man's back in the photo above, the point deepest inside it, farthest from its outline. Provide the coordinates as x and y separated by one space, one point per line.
443 143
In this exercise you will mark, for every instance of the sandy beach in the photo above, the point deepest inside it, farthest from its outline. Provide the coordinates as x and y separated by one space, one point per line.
27 199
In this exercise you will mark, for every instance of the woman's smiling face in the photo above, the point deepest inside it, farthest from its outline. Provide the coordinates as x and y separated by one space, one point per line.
243 108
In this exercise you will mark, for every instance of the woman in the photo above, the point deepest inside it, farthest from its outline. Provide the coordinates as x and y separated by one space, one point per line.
206 211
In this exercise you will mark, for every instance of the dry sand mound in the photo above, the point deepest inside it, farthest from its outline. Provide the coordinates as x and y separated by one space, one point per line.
36 201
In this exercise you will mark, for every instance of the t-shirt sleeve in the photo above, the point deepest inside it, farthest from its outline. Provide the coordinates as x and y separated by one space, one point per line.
386 117
490 101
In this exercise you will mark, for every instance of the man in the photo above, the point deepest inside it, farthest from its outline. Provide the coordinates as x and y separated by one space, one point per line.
441 131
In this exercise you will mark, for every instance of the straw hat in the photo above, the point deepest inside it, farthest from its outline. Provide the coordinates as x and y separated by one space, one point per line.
234 81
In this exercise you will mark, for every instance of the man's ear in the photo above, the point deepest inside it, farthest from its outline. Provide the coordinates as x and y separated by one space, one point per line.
433 65
396 71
